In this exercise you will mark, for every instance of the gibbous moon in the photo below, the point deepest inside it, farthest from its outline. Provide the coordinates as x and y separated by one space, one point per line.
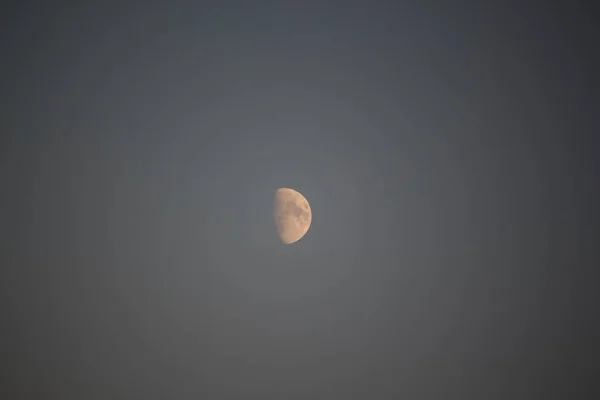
292 215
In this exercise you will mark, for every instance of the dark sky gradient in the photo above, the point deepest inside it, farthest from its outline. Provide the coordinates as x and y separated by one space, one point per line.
447 150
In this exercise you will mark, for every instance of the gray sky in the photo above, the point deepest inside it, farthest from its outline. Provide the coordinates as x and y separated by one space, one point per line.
447 152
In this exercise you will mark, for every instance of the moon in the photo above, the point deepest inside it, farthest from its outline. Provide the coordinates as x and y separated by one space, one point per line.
292 215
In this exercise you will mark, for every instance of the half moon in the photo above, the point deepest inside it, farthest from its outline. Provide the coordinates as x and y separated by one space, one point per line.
292 215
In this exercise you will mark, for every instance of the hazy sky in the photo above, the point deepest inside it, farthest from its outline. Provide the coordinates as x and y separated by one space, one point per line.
447 151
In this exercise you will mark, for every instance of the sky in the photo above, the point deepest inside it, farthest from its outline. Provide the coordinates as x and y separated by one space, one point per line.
448 151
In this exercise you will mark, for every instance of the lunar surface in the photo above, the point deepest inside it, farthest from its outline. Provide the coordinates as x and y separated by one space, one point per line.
292 215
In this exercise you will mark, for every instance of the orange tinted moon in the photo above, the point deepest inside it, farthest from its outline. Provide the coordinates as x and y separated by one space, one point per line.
292 215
